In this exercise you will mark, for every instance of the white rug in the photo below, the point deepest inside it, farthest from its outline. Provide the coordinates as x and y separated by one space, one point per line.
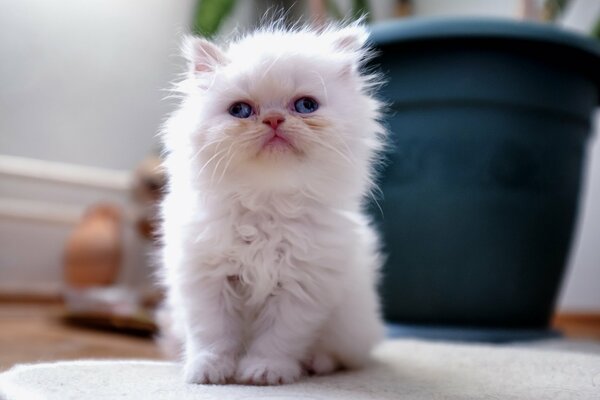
404 369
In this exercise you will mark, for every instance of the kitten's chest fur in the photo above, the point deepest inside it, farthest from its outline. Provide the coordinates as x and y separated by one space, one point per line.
281 243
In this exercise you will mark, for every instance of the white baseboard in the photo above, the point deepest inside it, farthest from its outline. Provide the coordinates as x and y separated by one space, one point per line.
68 174
30 292
40 203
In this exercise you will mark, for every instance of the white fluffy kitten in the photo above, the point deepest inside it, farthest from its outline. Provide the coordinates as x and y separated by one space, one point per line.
269 261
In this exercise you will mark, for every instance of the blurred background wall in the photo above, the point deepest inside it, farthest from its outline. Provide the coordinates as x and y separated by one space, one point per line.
81 99
82 84
82 80
581 289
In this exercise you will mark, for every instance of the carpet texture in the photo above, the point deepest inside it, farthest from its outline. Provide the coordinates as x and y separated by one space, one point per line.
402 369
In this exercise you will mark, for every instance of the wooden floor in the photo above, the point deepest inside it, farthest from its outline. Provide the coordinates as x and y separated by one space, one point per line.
36 332
578 325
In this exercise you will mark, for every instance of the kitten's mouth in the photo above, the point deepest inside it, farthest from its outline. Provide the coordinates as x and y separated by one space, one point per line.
277 142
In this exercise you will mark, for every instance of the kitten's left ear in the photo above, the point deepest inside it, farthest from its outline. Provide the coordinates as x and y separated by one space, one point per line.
350 39
350 43
203 56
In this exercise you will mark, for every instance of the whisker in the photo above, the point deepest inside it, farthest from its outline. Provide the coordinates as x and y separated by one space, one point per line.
209 161
225 169
229 157
217 141
212 176
374 198
325 144
343 142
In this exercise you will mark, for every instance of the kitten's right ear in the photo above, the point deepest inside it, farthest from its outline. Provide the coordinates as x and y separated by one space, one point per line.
203 56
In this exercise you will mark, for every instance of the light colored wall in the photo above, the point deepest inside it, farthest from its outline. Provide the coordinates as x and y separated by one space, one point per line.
81 81
487 8
38 213
581 289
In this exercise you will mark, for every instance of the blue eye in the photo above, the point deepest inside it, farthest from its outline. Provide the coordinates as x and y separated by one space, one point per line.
240 110
306 105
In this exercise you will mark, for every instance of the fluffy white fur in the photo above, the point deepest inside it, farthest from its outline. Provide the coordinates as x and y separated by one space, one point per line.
269 261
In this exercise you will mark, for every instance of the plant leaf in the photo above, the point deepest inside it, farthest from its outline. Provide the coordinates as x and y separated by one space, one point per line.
333 9
596 30
361 8
210 14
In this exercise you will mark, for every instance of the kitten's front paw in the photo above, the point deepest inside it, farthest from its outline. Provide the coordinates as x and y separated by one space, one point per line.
254 370
214 369
321 363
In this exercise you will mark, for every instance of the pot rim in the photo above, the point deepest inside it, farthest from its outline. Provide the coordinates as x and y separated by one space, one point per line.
460 28
557 45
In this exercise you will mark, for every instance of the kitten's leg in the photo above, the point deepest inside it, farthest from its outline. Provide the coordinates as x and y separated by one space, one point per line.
351 331
171 331
213 331
344 343
282 335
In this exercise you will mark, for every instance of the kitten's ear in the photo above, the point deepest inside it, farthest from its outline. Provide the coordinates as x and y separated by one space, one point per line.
203 56
350 42
350 39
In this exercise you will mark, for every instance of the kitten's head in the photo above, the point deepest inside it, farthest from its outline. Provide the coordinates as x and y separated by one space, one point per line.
279 110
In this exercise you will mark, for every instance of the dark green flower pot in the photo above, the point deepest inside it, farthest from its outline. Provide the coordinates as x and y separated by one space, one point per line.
489 123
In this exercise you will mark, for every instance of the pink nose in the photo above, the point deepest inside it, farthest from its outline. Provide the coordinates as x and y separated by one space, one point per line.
274 120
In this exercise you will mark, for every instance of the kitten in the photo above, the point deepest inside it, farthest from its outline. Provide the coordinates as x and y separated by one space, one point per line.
269 261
